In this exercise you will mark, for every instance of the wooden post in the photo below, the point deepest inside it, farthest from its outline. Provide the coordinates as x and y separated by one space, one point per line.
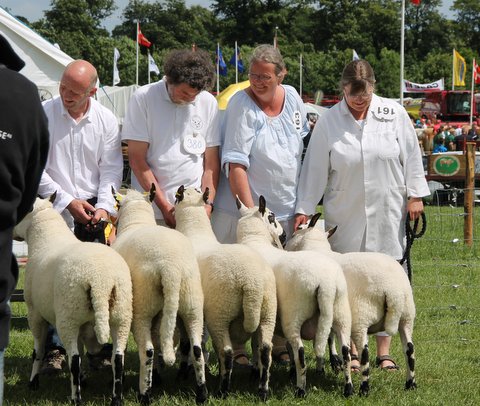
469 194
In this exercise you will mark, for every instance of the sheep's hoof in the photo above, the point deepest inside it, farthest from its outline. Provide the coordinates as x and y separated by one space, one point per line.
263 394
76 402
222 394
116 401
156 378
144 399
336 364
300 393
410 385
364 389
348 390
201 394
34 384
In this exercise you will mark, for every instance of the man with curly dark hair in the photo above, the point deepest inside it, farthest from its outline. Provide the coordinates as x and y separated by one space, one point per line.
172 131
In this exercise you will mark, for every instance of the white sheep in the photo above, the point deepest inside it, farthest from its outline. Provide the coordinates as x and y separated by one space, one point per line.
311 292
82 288
166 284
239 289
380 296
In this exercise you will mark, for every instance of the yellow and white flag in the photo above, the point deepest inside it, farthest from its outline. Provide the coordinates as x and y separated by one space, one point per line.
459 69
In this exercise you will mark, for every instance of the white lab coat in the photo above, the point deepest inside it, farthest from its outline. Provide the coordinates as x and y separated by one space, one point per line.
364 175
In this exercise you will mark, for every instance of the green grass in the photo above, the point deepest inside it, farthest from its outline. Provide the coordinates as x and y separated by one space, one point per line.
446 283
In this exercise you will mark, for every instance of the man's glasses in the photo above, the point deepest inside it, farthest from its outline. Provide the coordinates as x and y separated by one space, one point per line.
359 97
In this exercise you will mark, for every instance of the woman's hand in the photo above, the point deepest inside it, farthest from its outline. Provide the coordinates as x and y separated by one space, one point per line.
299 219
415 207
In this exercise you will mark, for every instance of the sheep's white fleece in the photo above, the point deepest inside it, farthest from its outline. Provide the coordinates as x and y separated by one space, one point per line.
380 294
310 288
239 289
83 289
166 284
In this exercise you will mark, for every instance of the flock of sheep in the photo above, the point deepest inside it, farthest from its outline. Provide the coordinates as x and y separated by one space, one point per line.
163 284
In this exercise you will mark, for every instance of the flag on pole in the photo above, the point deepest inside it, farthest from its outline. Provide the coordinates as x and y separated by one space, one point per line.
275 38
416 2
116 75
476 73
152 66
236 57
355 56
459 69
222 66
142 40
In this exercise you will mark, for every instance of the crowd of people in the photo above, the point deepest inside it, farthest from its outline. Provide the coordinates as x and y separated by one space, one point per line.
438 136
363 159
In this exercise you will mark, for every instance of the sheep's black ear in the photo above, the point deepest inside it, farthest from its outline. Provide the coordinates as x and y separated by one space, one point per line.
314 220
331 231
180 194
262 205
205 195
52 198
152 193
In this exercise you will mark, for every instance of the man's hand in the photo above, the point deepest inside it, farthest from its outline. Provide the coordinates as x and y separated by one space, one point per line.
168 212
81 210
100 214
299 219
415 207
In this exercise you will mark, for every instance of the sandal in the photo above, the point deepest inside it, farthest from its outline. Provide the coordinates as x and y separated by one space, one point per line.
381 359
241 357
354 368
281 357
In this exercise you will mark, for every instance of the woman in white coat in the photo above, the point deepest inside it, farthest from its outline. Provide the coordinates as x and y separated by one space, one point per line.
364 159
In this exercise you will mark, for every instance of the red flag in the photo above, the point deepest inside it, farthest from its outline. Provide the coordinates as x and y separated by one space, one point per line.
142 40
416 2
476 73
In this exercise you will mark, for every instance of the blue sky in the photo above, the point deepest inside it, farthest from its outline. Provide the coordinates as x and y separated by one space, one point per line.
33 9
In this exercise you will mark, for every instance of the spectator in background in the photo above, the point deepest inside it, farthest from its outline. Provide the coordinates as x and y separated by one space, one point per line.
474 132
173 134
84 163
365 161
23 153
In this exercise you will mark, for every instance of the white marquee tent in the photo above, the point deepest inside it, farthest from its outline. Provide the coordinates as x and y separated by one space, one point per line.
44 62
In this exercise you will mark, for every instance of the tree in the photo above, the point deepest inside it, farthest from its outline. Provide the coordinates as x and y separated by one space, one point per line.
468 12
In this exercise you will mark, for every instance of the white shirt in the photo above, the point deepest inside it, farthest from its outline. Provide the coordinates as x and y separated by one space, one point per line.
364 176
152 117
269 147
84 159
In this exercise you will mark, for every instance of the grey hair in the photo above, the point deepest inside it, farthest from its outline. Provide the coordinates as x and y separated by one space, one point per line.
270 54
194 68
359 74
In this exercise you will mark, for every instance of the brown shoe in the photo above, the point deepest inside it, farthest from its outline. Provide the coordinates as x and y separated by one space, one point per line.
101 359
52 362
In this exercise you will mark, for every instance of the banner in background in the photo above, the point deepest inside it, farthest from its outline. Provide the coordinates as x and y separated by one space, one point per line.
410 87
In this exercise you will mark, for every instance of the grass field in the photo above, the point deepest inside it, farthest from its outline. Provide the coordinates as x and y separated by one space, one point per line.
446 283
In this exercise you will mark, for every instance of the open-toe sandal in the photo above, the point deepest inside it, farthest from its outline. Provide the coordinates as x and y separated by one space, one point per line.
354 368
381 359
241 357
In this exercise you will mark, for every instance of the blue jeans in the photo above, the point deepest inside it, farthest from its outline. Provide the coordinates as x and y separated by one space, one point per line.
53 340
2 358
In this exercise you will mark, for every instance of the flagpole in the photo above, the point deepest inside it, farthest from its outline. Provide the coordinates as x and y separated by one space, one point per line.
148 67
113 73
453 69
473 91
402 51
136 65
236 63
218 67
301 74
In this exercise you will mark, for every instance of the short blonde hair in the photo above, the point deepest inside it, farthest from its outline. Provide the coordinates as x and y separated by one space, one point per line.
359 75
270 54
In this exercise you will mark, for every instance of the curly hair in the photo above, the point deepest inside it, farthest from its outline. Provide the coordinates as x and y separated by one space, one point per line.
195 68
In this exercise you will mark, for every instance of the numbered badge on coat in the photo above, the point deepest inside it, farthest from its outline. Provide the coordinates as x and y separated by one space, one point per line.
385 113
194 144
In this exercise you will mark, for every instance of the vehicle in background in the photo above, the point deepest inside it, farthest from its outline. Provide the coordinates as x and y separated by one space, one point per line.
452 106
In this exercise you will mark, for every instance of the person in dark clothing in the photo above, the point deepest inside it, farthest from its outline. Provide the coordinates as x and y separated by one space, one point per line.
23 153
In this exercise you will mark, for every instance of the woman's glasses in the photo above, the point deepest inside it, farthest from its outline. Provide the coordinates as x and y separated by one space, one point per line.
260 77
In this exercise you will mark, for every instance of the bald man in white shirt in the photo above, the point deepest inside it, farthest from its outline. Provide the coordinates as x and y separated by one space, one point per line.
84 162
